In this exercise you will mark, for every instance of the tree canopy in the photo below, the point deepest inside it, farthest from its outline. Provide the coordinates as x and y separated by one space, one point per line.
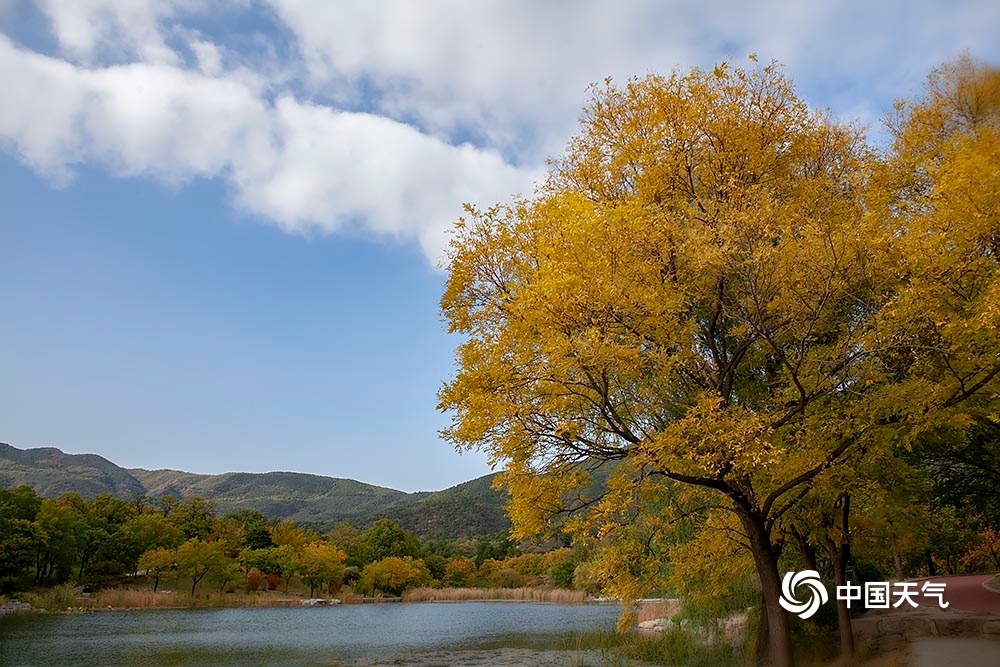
724 292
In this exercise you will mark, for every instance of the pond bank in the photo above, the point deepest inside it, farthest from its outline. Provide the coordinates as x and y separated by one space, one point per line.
505 657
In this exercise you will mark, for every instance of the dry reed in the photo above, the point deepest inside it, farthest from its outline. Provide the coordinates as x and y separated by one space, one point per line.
522 594
127 598
653 609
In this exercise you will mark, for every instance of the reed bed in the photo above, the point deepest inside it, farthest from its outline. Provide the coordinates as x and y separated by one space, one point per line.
126 598
522 594
649 610
56 598
65 598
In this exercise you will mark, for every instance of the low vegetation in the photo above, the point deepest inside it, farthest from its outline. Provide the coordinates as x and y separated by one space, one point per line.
559 595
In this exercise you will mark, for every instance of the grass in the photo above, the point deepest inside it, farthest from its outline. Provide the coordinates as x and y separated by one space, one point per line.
993 584
522 594
678 648
56 598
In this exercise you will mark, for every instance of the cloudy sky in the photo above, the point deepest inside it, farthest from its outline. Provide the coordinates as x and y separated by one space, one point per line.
221 219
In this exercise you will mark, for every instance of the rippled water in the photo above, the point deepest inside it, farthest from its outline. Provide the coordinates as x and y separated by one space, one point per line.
289 636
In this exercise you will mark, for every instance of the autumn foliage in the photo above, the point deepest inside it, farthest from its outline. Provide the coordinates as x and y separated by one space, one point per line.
733 303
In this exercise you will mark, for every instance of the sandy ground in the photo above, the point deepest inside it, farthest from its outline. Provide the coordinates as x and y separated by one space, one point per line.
505 657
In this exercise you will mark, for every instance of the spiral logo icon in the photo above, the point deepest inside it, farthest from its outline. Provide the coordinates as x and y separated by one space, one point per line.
817 593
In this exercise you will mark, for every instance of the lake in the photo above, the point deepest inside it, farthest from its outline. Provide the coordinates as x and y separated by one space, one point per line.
290 636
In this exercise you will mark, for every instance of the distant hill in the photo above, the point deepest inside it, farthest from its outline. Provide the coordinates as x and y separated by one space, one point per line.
469 509
466 510
50 472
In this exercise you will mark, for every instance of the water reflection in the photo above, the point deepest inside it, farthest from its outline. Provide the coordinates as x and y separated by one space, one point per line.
289 636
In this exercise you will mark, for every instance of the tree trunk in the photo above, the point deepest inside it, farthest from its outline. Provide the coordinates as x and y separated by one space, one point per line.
897 563
840 553
778 629
806 550
843 613
763 637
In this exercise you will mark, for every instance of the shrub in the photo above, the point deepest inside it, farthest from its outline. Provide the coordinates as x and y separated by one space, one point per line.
459 573
254 580
507 578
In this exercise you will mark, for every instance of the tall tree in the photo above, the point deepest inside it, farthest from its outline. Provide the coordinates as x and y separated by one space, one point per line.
386 538
196 559
321 563
701 292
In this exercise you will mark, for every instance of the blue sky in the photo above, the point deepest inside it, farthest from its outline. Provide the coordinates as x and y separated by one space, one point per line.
221 221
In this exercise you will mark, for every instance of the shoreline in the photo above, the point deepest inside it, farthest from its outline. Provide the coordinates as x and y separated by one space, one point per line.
24 609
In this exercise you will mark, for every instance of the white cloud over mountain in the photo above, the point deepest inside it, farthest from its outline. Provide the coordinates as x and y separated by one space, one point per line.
384 117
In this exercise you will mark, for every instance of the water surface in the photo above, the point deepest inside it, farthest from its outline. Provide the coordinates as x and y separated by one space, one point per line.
289 636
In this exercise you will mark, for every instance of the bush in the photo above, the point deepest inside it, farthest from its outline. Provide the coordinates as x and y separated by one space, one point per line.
507 578
459 573
254 580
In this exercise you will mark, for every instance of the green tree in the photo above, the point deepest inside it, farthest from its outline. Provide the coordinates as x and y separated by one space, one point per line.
228 570
385 539
18 538
254 527
56 528
436 566
196 559
142 533
349 539
194 516
90 529
158 563
321 564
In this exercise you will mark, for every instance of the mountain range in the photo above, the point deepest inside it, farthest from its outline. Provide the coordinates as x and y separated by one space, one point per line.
470 509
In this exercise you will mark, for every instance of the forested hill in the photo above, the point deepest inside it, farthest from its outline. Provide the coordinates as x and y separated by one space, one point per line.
469 509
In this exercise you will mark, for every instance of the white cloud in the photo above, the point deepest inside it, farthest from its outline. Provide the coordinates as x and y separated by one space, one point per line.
119 28
517 69
301 165
332 167
449 101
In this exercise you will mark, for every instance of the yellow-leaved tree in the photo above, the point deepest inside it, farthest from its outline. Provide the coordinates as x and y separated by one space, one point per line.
704 293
